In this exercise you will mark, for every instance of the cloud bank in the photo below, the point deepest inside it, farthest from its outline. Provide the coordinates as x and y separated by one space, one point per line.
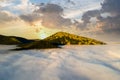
82 63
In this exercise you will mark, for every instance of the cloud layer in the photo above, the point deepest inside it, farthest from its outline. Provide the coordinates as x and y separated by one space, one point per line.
68 63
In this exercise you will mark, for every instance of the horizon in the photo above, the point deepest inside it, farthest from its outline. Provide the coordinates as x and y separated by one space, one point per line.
38 19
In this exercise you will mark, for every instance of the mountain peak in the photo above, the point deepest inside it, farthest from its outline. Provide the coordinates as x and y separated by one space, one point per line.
68 38
63 33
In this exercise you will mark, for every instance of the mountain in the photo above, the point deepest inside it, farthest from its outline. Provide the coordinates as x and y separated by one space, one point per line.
12 40
60 38
63 38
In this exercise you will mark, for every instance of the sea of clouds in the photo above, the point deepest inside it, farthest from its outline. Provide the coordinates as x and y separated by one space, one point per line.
67 63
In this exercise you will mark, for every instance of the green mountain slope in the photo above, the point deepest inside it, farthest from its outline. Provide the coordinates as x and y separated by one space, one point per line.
64 38
60 38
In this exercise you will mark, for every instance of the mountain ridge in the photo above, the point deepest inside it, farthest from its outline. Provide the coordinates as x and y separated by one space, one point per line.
53 41
60 38
13 40
72 38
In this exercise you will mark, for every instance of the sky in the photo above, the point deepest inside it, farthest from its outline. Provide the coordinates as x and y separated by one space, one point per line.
37 19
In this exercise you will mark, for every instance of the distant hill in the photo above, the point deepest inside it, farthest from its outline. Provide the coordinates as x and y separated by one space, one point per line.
12 40
60 38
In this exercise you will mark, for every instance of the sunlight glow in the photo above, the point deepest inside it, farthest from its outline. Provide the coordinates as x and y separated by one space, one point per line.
42 31
42 34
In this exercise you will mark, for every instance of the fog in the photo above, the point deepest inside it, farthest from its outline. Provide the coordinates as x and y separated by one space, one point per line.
68 63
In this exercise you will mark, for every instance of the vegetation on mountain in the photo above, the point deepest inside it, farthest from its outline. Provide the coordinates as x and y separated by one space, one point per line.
63 38
60 38
53 41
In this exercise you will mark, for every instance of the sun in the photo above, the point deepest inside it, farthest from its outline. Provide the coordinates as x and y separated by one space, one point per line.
42 34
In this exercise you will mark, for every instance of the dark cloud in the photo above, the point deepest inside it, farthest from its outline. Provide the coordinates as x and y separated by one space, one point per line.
52 16
30 18
88 15
50 8
111 24
111 6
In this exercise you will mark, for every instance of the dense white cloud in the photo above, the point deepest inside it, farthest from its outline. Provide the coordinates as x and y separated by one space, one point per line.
68 63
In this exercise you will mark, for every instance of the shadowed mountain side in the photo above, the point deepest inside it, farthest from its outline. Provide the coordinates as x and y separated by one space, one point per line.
41 44
12 40
60 38
53 41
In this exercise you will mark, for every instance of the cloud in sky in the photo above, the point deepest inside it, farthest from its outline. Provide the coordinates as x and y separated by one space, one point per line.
6 16
75 8
30 18
25 6
88 16
111 22
111 6
52 16
25 9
